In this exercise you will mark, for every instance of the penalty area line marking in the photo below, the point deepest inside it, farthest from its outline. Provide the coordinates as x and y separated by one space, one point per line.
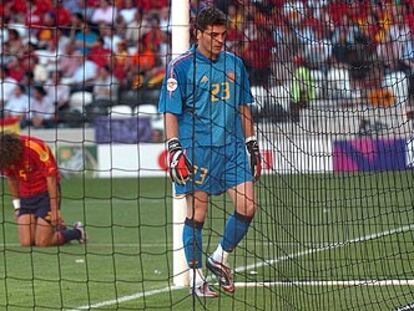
365 238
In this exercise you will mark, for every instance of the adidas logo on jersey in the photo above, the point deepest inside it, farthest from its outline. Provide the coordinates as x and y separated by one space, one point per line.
204 79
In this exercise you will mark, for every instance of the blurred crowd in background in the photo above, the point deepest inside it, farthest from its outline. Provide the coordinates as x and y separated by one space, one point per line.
57 56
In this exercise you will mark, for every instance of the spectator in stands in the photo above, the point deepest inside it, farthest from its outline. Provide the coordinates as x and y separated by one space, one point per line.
84 76
16 21
85 39
235 34
121 61
42 109
389 53
152 5
360 52
105 13
34 13
28 81
63 16
39 70
77 22
142 63
100 55
8 85
165 21
128 11
235 17
164 50
74 6
153 38
69 61
407 61
18 104
14 45
60 41
341 46
106 85
46 33
257 55
110 37
318 52
137 28
283 52
57 91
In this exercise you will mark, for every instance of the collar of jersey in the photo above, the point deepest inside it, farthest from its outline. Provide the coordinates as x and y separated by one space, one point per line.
201 56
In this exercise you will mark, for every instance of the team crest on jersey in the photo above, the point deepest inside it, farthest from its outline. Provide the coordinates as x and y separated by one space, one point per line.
172 84
44 156
231 76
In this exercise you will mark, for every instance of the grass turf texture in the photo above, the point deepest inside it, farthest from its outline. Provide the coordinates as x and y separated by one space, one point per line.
308 228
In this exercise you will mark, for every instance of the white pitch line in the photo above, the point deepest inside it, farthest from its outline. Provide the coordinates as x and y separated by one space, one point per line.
365 238
127 298
329 283
134 245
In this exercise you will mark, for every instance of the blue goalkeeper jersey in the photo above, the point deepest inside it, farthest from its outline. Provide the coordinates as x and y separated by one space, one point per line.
206 96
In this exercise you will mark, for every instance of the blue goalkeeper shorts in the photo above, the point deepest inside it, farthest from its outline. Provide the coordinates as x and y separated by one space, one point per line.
216 169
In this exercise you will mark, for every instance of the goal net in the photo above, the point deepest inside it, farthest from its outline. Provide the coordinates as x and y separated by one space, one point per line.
333 112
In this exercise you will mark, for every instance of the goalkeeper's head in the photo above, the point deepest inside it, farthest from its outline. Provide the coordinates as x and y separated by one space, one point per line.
210 16
210 31
11 149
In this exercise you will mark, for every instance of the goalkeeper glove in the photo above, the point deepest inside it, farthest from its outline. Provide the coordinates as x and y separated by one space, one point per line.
255 157
180 166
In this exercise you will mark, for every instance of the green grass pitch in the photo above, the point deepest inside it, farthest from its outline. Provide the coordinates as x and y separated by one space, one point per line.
309 228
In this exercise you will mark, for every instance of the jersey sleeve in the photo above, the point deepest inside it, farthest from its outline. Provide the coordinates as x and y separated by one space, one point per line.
172 92
42 155
246 97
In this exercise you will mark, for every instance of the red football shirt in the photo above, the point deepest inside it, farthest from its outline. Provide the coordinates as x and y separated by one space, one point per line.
31 170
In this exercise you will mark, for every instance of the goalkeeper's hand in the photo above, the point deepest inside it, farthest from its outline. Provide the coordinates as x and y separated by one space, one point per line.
255 157
180 167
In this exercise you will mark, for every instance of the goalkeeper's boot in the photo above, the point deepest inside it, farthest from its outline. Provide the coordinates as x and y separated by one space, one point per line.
223 274
78 226
204 290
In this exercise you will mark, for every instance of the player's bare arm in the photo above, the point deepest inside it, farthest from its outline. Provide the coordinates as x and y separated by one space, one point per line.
251 142
13 184
52 189
247 121
171 125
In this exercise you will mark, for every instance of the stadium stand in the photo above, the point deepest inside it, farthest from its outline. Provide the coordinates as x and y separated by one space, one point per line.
337 52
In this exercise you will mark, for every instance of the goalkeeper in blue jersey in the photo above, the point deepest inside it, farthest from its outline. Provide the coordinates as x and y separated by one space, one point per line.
205 99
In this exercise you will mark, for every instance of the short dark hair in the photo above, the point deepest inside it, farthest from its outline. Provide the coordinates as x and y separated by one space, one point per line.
209 16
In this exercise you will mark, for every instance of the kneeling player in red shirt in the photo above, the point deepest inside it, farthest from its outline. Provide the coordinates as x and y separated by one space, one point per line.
34 183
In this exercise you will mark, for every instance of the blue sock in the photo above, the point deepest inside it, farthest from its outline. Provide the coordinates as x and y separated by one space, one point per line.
236 228
71 234
67 235
193 243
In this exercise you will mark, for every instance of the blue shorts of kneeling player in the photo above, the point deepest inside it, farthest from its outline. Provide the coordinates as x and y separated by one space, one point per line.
216 169
38 205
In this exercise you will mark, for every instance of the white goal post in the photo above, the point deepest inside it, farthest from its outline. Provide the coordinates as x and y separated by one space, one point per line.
180 27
